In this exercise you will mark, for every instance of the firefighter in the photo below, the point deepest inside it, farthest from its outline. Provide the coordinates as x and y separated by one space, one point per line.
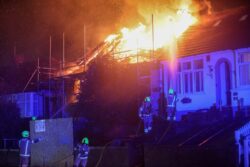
171 104
24 145
146 115
82 152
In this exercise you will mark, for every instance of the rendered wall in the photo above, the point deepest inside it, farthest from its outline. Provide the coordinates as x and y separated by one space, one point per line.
209 97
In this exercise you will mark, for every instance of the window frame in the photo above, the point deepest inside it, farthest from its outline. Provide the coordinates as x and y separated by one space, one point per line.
241 64
200 72
190 80
179 78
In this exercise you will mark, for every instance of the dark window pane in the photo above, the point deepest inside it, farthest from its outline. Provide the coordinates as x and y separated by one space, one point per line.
197 82
202 82
198 64
191 83
187 66
186 83
244 74
179 67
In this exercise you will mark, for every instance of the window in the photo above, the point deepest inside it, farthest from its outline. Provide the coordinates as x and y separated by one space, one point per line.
187 77
187 66
179 78
178 82
188 82
198 76
199 81
244 68
190 77
198 64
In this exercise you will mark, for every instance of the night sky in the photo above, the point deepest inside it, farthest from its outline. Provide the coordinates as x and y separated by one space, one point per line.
27 24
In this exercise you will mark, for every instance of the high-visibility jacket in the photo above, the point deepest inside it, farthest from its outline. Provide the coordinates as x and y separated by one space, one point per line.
82 151
145 109
24 145
171 101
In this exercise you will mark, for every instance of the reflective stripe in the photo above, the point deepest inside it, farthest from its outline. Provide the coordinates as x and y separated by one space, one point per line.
26 147
172 104
24 155
83 157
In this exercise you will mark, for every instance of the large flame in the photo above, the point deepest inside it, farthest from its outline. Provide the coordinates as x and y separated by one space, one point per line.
167 28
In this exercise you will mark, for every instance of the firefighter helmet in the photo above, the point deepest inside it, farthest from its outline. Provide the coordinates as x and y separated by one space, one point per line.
85 140
25 133
147 99
171 91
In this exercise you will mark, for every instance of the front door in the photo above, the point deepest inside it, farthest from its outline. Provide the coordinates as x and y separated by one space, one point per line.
223 83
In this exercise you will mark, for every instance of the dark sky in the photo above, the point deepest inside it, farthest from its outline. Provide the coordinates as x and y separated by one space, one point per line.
27 24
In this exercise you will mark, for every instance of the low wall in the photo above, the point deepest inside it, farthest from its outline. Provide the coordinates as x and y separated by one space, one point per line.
154 156
189 157
9 158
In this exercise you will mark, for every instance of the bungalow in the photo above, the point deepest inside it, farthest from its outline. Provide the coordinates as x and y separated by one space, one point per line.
212 66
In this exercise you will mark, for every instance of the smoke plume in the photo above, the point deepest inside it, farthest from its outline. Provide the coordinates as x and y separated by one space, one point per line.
28 24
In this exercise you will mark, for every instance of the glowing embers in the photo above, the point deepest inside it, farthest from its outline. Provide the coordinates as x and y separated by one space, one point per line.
76 91
243 18
217 23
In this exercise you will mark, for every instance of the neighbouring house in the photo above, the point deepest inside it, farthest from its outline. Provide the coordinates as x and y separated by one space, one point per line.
212 67
30 104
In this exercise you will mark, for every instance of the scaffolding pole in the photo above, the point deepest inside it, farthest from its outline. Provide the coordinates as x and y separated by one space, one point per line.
33 74
84 47
50 106
38 74
63 84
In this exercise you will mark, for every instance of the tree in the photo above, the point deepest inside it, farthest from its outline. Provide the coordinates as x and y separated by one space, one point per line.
109 97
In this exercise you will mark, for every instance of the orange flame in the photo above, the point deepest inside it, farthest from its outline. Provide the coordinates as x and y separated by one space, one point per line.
167 28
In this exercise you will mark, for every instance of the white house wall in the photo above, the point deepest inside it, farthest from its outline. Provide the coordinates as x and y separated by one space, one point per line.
243 91
208 97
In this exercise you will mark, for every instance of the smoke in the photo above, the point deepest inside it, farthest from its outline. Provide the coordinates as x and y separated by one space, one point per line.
30 23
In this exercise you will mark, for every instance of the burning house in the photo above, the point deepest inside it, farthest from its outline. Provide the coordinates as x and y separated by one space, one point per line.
204 58
211 68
